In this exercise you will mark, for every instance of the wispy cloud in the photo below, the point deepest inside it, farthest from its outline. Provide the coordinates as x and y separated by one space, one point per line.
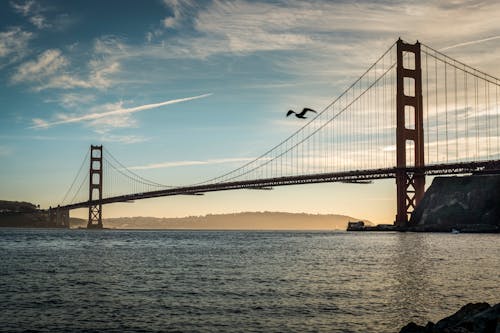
32 11
46 65
51 69
73 100
40 123
126 139
315 29
179 12
31 137
13 44
176 6
173 164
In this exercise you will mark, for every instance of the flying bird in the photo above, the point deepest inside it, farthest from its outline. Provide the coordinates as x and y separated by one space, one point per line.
301 114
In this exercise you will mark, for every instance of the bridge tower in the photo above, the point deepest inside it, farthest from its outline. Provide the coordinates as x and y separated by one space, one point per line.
410 181
95 188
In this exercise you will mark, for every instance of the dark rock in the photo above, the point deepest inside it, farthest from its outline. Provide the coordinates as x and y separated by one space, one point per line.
463 317
413 328
468 204
488 320
473 317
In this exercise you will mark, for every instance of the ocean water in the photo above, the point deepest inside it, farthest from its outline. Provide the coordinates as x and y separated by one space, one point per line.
229 281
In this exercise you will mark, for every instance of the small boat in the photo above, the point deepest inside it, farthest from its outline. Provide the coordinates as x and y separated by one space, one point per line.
455 231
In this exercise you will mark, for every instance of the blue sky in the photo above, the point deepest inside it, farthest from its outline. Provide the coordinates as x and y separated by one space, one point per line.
63 62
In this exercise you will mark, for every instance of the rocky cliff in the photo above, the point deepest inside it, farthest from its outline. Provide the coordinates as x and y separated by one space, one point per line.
467 204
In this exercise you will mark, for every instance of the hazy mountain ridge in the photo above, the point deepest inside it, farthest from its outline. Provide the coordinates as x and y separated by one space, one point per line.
235 221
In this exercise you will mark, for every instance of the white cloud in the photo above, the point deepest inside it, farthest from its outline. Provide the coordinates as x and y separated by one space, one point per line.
178 8
326 35
51 70
14 44
64 81
105 124
109 45
247 27
73 100
39 21
32 11
47 64
126 139
172 164
37 122
180 13
23 8
119 111
169 22
100 72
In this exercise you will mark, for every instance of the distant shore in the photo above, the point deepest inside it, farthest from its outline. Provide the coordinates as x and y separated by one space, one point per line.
15 214
236 221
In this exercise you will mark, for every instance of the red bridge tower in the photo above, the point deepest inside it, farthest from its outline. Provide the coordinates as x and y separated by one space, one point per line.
95 188
410 180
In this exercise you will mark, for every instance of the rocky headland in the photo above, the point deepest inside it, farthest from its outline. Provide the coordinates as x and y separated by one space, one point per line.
464 204
20 214
471 318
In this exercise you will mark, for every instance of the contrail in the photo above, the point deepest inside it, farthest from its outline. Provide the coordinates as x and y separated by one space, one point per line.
470 43
40 123
189 163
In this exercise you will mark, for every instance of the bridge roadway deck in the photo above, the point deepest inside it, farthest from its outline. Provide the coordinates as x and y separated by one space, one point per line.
348 176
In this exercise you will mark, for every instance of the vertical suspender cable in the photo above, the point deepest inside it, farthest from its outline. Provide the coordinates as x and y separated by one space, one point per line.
437 111
476 106
427 103
466 88
446 107
456 114
487 115
498 123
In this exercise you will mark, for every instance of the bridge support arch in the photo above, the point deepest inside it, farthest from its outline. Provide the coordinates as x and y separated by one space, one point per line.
95 188
410 182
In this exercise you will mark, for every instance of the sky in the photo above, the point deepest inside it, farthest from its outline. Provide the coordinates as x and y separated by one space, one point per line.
182 91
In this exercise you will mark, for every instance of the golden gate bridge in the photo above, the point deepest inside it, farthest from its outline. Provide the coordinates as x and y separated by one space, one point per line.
415 112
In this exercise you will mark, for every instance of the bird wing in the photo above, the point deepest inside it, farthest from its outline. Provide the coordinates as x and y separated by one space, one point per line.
304 110
289 112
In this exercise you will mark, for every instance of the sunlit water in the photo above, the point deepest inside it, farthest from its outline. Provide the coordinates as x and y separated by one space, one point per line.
114 281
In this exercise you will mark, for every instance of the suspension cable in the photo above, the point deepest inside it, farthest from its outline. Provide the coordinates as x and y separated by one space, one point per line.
342 95
85 159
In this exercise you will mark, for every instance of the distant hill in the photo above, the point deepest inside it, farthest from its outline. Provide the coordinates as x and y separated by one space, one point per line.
237 221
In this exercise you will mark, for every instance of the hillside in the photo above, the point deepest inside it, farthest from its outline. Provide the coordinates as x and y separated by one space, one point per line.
238 221
22 214
17 207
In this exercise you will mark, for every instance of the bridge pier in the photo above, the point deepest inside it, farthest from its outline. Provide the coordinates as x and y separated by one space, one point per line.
95 188
410 181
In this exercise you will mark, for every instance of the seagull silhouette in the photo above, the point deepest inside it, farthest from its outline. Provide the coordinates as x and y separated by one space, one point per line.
301 114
